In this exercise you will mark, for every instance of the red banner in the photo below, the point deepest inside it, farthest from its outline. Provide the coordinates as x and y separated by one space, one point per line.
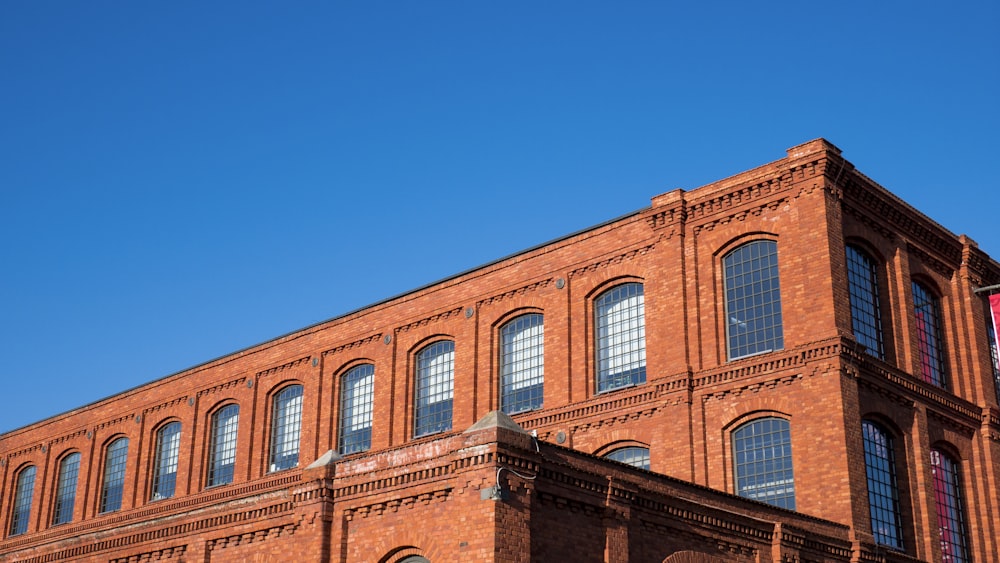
995 308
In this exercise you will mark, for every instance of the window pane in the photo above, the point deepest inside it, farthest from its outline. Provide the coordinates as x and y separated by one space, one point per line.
23 493
991 331
168 441
948 498
632 455
222 455
753 299
928 317
522 364
763 453
356 397
69 471
286 421
883 494
621 337
862 285
114 475
435 388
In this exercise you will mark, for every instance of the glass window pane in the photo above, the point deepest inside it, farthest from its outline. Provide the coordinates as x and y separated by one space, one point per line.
632 455
862 285
168 441
950 511
356 402
753 303
23 493
522 364
435 387
991 332
927 311
114 475
763 453
620 337
69 471
222 444
883 494
286 422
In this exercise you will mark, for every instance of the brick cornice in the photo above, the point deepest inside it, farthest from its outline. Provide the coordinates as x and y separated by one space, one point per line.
932 262
513 292
645 400
628 255
981 269
875 205
950 422
282 367
892 382
740 215
221 386
360 342
147 519
432 318
256 536
164 405
394 504
751 193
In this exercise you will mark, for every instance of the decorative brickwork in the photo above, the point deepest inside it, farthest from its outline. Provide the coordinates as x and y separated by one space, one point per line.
536 487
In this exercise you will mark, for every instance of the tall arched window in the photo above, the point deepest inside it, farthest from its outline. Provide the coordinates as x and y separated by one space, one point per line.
24 490
883 492
620 337
435 388
753 299
356 401
222 445
866 316
762 450
994 356
636 456
286 422
113 485
168 442
950 512
927 310
522 366
69 471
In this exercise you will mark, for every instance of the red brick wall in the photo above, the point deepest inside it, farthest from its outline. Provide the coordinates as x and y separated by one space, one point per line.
811 203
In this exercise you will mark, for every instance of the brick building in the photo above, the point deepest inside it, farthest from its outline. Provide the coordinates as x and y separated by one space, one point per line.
810 379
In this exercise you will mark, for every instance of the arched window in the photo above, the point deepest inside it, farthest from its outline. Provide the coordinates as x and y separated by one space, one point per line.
522 364
113 484
753 299
435 388
222 445
168 442
762 450
356 400
620 337
23 493
862 285
632 455
994 356
69 471
286 422
883 492
927 310
950 512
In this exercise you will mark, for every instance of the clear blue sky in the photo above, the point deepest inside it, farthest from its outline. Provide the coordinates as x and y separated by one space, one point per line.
182 180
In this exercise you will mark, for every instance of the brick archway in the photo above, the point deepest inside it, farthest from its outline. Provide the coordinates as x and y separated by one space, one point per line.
404 554
692 557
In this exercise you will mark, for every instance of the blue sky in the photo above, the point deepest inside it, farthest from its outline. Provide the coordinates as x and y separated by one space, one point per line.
182 180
